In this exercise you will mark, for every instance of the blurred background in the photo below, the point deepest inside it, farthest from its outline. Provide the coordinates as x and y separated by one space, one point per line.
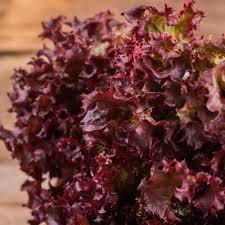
19 27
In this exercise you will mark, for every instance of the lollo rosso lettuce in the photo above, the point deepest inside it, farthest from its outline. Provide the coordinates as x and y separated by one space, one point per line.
123 123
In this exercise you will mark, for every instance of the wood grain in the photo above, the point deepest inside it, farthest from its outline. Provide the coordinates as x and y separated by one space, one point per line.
19 27
20 21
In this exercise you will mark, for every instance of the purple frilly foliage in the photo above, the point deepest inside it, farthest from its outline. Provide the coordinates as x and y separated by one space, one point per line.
123 123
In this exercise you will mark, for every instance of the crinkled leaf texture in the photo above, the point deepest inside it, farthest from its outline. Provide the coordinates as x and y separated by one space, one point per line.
123 123
158 191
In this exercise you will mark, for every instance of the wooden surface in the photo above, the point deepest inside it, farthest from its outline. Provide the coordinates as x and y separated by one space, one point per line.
19 27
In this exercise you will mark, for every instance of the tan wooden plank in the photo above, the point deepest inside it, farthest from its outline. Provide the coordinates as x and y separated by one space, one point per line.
13 215
5 156
20 24
11 180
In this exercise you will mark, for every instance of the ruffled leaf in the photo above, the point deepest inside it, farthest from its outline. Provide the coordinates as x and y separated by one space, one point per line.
157 192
